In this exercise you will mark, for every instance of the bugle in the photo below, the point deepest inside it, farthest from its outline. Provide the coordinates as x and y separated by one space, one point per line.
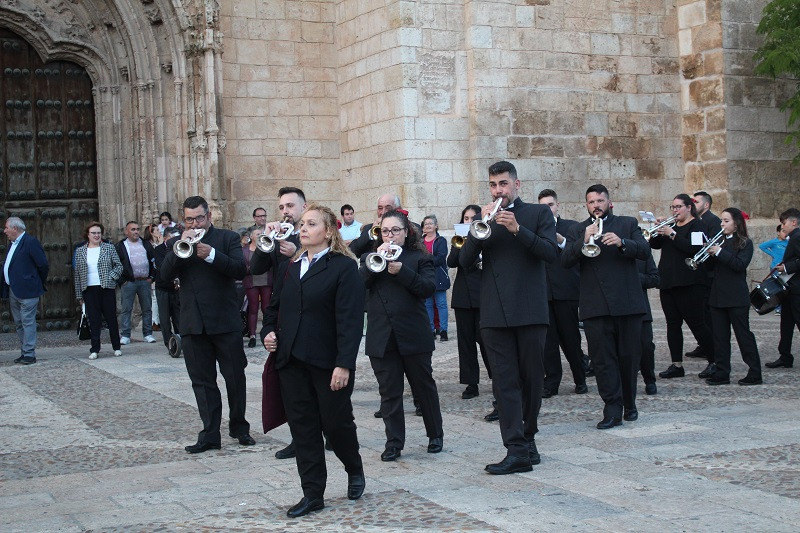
457 241
185 247
649 232
480 229
591 249
703 254
377 261
374 233
266 241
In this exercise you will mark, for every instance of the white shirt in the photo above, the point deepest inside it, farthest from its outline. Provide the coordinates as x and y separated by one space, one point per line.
93 274
11 251
352 231
305 264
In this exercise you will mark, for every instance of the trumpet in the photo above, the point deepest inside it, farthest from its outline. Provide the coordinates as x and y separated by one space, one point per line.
266 242
480 229
649 232
590 249
185 247
703 254
375 233
377 261
457 241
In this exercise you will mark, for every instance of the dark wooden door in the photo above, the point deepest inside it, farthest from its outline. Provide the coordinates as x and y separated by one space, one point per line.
47 165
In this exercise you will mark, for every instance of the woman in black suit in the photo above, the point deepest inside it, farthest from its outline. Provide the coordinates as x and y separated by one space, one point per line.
397 338
466 302
313 327
730 301
683 291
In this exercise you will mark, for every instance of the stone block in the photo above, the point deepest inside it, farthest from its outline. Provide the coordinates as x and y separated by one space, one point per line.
715 119
665 65
694 122
524 16
707 37
528 123
666 148
553 169
758 92
706 92
559 123
693 14
622 169
634 65
689 147
651 125
715 175
606 63
713 62
739 12
692 66
711 147
596 124
773 120
519 147
734 94
685 42
623 125
546 147
605 44
480 37
650 169
623 22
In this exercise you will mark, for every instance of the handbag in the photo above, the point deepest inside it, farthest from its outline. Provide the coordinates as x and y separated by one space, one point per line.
272 411
83 325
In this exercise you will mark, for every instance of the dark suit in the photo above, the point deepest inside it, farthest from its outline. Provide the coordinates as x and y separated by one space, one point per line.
649 279
398 341
317 322
562 295
515 316
169 303
790 310
362 244
27 273
612 306
211 328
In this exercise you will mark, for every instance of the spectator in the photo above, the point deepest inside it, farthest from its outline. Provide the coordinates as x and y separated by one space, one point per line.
259 220
775 247
351 228
153 235
138 271
166 222
437 246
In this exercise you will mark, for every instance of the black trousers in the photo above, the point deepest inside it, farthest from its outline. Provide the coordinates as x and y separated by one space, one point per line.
389 371
101 304
722 319
169 312
790 319
563 331
515 355
686 304
647 364
202 353
469 339
311 409
615 348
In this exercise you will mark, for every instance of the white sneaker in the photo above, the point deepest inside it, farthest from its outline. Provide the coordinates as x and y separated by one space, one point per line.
93 355
150 339
117 353
125 340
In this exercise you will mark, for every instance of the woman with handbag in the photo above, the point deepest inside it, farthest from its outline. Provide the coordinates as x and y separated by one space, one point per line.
437 246
97 269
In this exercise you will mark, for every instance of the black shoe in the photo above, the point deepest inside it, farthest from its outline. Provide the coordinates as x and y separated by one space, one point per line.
533 453
286 453
718 379
19 359
443 335
252 343
245 440
780 362
588 367
305 506
435 445
631 415
609 422
377 414
672 372
547 393
355 486
581 389
510 465
201 447
650 389
328 445
26 360
435 334
390 454
470 392
418 411
493 416
697 353
751 379
710 370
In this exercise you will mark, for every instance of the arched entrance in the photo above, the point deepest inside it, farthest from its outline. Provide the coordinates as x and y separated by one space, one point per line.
47 164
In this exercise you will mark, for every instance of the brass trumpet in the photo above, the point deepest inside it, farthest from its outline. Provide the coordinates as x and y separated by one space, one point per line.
457 241
375 233
266 242
185 247
649 232
377 261
590 249
480 229
703 254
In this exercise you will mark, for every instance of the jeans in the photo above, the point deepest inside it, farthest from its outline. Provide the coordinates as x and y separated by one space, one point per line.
439 299
141 288
23 310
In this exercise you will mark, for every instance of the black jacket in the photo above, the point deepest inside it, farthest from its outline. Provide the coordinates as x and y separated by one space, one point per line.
467 286
729 288
440 263
674 252
396 304
127 269
649 278
711 223
318 318
610 283
513 279
159 253
209 302
791 260
563 283
362 244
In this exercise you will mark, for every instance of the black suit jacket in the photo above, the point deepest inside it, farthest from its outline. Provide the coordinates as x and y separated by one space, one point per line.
730 288
649 278
209 302
318 318
396 304
159 253
127 269
563 283
467 285
674 252
711 223
610 283
513 279
791 260
362 244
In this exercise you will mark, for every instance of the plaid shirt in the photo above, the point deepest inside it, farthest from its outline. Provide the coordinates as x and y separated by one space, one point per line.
109 268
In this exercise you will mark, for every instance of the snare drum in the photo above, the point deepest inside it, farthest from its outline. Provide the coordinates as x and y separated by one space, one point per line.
767 294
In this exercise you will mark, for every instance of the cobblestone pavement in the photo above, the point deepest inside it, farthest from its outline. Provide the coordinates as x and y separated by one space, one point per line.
98 445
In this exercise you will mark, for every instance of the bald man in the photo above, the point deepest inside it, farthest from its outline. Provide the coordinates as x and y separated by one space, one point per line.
363 244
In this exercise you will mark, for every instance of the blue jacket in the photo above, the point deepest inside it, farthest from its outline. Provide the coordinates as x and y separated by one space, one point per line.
27 271
775 249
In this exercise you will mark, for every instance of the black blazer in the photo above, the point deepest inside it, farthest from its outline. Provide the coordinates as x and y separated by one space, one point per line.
610 283
318 318
729 288
513 279
396 304
563 283
467 285
672 265
127 269
362 244
791 260
209 302
649 278
711 223
159 253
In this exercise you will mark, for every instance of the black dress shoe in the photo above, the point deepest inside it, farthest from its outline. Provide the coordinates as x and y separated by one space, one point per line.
252 343
780 362
443 335
390 454
581 389
305 506
697 353
245 440
328 445
493 416
609 422
547 393
510 465
435 445
355 486
27 361
286 453
470 392
19 359
751 379
709 371
201 447
377 414
650 389
631 415
718 379
672 372
533 453
418 411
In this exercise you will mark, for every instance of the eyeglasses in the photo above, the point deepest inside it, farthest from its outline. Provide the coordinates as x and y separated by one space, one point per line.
391 231
95 233
199 219
676 207
260 216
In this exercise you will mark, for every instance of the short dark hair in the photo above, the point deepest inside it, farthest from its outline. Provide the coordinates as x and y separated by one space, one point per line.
706 197
501 167
598 188
172 230
165 214
548 192
778 229
345 207
128 223
193 202
792 212
90 226
287 190
256 210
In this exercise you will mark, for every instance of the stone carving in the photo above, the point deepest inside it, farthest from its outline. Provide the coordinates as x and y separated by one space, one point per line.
437 82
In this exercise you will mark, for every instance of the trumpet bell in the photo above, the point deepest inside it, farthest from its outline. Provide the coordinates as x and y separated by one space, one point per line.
590 250
374 233
480 230
457 241
376 262
265 243
183 248
692 263
646 233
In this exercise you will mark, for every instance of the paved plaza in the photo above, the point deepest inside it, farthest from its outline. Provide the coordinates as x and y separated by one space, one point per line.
98 445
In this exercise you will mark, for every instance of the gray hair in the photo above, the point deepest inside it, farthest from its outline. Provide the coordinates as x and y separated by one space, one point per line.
16 223
433 218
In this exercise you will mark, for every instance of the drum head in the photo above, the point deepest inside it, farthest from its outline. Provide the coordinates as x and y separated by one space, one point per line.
174 345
